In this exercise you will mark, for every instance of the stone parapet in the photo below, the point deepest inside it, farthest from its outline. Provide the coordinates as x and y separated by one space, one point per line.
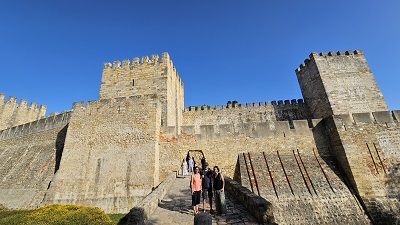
47 123
143 211
380 117
261 209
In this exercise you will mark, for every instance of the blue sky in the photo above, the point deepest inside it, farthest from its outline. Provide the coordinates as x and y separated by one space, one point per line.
52 52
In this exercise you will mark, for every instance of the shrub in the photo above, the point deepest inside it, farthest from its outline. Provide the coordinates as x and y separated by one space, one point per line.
56 214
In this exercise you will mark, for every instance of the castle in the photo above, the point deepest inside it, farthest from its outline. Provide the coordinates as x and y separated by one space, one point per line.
330 157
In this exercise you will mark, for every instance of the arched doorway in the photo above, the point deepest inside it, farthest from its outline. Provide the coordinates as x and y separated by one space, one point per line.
197 154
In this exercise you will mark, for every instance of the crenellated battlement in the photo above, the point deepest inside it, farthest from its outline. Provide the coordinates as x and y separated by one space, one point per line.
126 63
205 108
314 55
293 102
245 106
22 103
13 113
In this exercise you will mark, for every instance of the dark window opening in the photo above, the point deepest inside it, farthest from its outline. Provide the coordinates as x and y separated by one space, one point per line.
133 82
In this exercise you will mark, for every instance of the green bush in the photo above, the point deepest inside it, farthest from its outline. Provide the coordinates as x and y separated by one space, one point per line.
57 214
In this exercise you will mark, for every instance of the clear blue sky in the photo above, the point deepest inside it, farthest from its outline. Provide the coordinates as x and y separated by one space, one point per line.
52 52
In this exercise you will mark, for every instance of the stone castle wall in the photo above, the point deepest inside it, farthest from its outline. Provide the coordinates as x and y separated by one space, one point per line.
245 113
14 114
339 83
222 143
367 148
111 155
29 157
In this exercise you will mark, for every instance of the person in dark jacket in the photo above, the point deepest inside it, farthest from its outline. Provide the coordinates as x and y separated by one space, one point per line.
206 176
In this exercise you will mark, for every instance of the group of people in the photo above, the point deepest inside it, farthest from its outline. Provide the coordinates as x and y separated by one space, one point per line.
206 183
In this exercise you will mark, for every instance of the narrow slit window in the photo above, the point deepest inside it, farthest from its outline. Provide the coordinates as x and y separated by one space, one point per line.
133 82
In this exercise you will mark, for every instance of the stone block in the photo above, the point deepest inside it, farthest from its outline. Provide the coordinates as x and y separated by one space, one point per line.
207 132
363 118
383 117
301 125
188 129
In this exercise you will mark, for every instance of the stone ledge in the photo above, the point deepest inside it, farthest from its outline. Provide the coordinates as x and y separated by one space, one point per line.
139 214
260 208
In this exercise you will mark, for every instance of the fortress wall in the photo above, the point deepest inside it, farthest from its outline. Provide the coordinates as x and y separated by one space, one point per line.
27 165
14 114
245 113
110 158
227 114
148 76
367 147
222 143
291 110
50 122
339 83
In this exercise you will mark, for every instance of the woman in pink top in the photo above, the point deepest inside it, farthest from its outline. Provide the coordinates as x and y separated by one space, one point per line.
195 187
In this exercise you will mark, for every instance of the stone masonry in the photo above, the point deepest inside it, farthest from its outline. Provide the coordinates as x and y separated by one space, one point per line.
330 158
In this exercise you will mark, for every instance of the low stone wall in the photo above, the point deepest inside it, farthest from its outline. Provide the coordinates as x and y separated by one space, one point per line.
142 212
256 205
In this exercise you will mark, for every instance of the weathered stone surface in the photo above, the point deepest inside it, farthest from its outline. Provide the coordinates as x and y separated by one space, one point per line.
115 144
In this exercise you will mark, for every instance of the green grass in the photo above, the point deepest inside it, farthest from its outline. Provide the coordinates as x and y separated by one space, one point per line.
56 214
116 217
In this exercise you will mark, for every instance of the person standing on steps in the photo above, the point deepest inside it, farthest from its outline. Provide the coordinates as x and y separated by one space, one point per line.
195 188
191 165
206 176
184 168
218 187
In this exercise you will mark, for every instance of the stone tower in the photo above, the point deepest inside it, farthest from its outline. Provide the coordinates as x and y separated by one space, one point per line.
339 83
116 139
149 76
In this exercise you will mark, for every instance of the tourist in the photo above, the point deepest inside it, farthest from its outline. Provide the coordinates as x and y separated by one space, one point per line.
195 187
218 186
203 160
206 176
184 168
194 162
191 165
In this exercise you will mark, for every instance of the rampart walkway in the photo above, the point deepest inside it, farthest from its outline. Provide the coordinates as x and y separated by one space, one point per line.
175 208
